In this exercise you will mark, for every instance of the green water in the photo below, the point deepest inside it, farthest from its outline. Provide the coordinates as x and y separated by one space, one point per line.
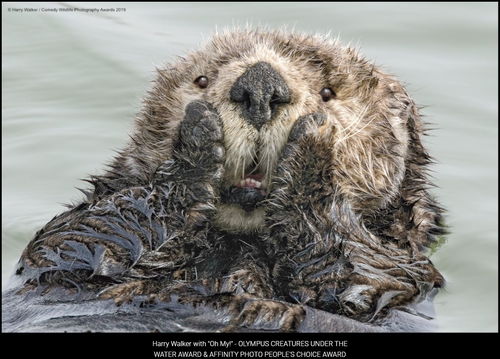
72 83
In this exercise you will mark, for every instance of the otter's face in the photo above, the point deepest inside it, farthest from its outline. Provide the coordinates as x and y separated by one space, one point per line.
261 83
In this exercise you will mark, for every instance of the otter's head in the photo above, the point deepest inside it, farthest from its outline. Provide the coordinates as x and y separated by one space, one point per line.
261 83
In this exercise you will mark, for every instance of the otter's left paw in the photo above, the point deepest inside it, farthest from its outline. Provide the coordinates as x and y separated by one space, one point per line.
305 164
306 125
306 134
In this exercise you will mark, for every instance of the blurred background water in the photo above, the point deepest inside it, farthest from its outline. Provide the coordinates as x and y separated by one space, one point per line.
72 83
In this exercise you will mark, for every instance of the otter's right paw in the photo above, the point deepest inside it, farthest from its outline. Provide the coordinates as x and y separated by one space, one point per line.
199 153
201 128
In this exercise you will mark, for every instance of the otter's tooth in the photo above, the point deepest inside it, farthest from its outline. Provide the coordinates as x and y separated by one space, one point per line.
250 182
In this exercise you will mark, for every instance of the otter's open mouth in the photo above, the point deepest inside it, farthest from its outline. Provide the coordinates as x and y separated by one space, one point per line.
246 192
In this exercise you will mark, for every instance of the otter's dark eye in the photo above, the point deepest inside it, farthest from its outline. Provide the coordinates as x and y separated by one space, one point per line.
202 82
327 94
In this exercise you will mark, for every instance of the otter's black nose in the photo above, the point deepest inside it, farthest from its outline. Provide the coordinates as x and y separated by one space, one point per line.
260 90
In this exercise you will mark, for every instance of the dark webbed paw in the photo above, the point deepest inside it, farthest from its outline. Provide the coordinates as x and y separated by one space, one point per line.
201 126
309 251
303 177
306 125
199 153
190 181
306 157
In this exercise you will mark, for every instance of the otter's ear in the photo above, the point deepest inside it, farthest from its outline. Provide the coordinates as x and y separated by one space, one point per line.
421 213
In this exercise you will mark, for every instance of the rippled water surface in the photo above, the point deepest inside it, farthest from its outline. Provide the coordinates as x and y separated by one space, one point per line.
72 83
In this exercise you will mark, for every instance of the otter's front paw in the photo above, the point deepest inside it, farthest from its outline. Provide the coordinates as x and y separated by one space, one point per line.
306 125
307 135
199 153
305 167
201 127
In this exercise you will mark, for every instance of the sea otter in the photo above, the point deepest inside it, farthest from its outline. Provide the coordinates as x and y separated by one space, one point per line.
269 175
